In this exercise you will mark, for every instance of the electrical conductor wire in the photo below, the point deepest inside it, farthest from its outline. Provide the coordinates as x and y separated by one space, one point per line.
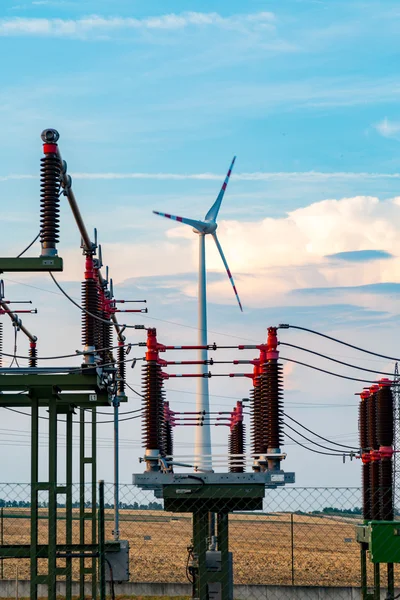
319 436
328 337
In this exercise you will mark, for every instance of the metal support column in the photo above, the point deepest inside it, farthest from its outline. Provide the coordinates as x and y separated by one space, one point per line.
102 534
200 534
377 581
223 547
34 496
88 516
52 510
390 581
68 503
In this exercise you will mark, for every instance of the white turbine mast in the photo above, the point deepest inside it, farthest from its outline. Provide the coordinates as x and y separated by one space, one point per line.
208 226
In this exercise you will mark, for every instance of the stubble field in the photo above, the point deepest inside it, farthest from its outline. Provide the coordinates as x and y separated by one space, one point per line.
268 549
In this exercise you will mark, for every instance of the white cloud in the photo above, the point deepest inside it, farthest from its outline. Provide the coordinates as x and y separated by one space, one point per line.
98 25
389 129
274 257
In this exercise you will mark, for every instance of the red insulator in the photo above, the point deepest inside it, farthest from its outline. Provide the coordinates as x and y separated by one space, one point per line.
121 368
237 440
366 491
153 407
374 489
365 456
384 416
362 422
32 354
50 184
90 304
257 428
386 489
371 421
272 399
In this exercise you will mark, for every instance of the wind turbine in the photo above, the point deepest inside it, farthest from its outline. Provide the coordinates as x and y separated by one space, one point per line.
202 228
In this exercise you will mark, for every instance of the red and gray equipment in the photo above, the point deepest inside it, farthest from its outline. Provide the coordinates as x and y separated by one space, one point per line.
153 405
267 406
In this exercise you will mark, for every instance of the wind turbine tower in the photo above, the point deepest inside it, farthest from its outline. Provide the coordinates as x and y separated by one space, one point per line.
208 226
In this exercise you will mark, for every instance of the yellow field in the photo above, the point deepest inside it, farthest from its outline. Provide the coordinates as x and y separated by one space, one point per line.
324 548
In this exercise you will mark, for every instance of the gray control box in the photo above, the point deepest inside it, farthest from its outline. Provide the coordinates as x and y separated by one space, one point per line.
119 562
214 564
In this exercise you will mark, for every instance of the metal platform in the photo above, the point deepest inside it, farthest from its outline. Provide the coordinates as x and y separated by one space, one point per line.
154 479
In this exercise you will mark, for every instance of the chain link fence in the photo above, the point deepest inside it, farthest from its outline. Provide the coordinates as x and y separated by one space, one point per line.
302 537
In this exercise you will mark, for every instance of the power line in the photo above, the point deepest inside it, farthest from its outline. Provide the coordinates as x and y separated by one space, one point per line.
297 362
311 449
86 311
27 248
77 353
316 434
132 390
308 439
328 337
340 362
20 412
35 287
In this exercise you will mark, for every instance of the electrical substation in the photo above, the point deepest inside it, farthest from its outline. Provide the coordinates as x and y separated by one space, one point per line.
185 484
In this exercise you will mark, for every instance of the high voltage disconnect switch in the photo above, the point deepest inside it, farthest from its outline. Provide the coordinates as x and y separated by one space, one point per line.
203 492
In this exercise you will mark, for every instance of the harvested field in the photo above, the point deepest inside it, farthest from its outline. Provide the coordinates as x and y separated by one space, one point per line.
313 549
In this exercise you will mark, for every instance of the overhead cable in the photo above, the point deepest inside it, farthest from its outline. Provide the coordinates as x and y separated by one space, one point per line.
340 362
107 321
311 449
311 441
316 434
297 362
31 244
328 337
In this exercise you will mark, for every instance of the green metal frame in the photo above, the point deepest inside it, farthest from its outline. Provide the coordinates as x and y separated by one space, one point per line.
220 499
23 265
47 391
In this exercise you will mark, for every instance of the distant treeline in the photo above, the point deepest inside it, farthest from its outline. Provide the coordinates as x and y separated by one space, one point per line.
122 505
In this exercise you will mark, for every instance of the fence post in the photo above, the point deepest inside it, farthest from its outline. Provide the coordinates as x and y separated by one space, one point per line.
292 543
101 542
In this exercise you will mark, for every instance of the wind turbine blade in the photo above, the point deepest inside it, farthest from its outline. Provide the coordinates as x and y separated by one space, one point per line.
227 269
214 210
199 225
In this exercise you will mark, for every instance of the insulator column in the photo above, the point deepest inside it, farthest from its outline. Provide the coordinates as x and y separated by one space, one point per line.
168 444
257 428
50 184
272 390
121 368
32 354
153 422
374 453
90 302
237 440
365 455
384 430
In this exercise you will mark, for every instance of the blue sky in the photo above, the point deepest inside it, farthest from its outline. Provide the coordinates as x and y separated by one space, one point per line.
152 100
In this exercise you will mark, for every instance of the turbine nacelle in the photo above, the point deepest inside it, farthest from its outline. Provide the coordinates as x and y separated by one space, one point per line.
206 227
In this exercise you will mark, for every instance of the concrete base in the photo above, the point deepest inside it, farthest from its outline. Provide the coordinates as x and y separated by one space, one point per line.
8 589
